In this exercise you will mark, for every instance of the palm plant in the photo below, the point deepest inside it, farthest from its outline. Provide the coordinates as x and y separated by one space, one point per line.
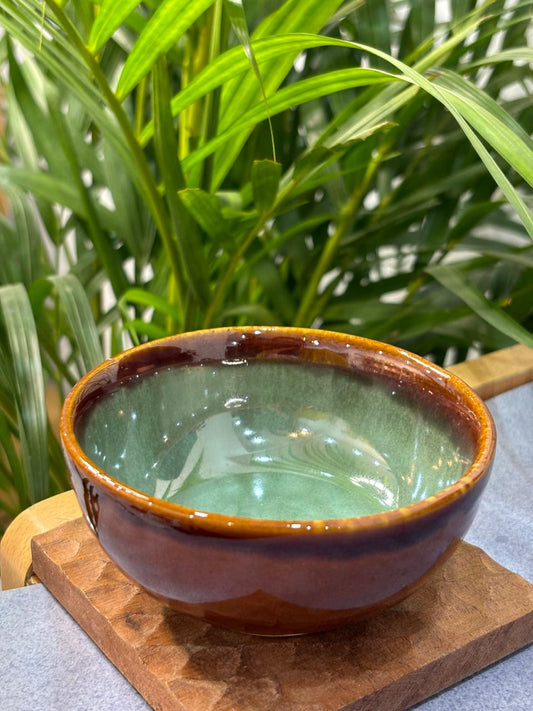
178 164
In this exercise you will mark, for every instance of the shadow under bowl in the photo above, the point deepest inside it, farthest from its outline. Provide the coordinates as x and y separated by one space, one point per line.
276 480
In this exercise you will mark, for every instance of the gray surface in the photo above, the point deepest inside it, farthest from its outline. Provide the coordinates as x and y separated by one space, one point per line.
503 527
47 661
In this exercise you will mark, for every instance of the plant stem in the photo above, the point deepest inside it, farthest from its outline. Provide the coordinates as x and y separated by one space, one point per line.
195 59
186 76
218 297
212 100
306 311
139 107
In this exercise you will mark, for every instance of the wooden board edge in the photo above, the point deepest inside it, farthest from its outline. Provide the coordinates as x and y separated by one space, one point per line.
493 647
495 373
15 546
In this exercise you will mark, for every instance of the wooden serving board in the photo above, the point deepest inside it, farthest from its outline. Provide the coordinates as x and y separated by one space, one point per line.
469 614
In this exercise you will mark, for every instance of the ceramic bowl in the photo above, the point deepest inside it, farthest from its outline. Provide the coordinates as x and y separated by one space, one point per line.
276 480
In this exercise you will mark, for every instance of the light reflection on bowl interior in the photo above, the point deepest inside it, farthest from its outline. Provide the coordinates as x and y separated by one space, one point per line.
274 440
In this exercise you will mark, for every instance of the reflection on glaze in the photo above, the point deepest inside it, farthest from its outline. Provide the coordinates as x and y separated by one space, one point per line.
266 457
271 440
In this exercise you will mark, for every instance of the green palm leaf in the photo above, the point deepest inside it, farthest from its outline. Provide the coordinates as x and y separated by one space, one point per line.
454 280
110 17
234 62
399 153
171 19
492 122
294 95
22 361
240 94
80 318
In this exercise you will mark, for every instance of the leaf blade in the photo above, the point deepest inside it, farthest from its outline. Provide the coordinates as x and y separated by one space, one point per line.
205 209
28 388
456 282
80 317
112 14
171 19
492 122
235 10
266 175
238 95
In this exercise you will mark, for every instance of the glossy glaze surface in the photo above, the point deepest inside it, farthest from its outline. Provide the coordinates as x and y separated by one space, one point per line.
273 440
280 575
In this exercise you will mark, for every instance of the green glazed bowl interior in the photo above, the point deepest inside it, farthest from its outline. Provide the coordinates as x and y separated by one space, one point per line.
279 437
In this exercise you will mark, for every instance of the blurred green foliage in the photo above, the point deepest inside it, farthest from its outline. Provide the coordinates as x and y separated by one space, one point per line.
178 164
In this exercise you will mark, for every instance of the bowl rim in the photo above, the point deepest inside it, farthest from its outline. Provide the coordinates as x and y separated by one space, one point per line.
240 526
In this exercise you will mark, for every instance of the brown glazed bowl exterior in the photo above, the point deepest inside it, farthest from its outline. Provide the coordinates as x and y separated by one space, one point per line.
278 577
